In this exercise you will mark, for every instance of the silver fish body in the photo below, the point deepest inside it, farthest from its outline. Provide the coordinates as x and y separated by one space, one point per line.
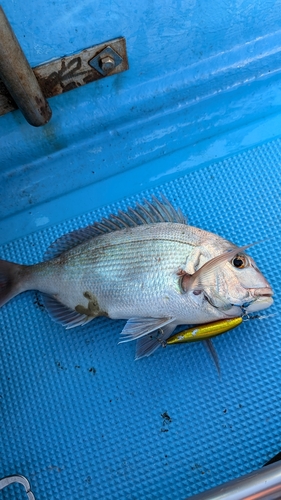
137 273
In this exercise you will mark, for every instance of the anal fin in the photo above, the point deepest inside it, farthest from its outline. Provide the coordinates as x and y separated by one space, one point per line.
62 314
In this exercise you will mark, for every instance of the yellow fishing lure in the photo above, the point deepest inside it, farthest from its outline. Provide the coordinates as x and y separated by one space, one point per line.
204 332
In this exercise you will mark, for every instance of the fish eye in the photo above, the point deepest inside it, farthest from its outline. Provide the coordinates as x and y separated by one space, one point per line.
239 261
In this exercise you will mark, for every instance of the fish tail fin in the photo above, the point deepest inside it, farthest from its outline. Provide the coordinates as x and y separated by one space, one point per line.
11 280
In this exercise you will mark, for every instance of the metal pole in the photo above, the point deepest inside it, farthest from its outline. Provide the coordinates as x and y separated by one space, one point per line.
18 77
264 484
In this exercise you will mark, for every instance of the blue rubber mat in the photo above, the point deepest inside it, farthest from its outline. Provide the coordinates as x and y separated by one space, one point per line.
81 419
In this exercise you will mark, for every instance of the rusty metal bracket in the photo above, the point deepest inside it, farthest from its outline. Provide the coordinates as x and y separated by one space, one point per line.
67 73
27 89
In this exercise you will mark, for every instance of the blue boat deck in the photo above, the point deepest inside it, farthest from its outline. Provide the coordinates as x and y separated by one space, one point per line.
79 417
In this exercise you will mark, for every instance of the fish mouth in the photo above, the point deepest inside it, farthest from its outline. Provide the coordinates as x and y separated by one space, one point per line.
259 299
260 302
262 292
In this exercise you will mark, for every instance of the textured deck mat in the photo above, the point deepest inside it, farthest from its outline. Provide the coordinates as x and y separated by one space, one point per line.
81 419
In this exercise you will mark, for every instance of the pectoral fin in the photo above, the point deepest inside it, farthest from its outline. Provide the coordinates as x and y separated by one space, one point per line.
138 327
212 351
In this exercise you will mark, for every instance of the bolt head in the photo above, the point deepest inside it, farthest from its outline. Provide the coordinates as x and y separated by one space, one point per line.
107 63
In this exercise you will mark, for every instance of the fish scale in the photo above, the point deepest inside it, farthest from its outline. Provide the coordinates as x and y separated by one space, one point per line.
124 265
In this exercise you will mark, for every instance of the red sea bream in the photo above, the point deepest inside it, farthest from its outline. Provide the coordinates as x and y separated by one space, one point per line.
145 265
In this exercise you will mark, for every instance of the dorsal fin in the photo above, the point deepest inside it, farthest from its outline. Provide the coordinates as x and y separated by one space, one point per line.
70 240
147 213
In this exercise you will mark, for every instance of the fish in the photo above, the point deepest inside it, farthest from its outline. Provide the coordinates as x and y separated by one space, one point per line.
145 265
